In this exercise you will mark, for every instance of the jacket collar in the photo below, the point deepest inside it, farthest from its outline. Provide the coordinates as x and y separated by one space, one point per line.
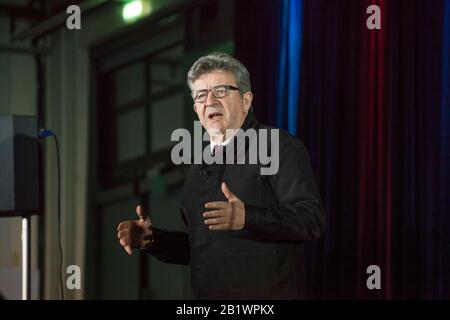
241 148
250 121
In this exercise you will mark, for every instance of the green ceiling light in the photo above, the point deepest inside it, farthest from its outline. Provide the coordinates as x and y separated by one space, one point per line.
135 10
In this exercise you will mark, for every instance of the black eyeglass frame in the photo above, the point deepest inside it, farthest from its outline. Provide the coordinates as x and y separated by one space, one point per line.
227 88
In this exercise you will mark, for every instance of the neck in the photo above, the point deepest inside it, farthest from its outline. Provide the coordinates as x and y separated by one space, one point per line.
222 136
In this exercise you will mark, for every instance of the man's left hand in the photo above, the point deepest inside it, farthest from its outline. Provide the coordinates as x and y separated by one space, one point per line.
226 215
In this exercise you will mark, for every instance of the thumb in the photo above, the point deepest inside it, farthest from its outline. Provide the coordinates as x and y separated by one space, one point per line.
227 192
141 213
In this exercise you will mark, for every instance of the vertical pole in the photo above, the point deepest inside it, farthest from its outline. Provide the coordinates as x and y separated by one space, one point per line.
26 257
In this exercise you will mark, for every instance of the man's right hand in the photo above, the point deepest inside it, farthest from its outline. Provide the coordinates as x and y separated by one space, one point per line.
135 233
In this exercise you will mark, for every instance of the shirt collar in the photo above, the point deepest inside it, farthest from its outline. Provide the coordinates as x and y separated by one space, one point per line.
249 122
213 144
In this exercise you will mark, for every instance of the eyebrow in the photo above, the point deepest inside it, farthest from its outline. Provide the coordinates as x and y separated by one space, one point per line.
218 85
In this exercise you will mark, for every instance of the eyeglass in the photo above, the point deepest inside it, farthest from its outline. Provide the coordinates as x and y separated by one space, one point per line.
220 91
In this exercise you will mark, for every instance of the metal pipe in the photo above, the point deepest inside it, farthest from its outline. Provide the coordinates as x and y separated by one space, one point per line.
26 257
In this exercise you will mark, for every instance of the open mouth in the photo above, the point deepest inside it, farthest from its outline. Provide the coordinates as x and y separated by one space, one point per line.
215 116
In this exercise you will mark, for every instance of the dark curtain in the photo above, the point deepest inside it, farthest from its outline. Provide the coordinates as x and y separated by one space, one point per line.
373 113
257 33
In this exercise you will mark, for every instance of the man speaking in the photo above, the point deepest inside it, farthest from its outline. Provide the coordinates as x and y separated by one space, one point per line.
245 230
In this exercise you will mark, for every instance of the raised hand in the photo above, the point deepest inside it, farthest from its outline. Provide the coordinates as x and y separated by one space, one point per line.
135 233
226 215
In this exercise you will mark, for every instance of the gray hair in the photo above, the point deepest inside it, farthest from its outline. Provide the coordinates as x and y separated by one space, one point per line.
220 61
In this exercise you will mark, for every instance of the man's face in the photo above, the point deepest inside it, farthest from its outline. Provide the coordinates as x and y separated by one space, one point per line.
221 113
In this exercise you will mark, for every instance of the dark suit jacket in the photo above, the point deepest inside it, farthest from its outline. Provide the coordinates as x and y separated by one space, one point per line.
265 260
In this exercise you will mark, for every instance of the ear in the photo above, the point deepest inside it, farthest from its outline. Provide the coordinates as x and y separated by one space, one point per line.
195 108
248 98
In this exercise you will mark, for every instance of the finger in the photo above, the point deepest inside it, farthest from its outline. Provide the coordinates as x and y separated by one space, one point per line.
215 221
128 250
122 233
123 225
216 205
141 213
125 239
227 192
223 226
214 214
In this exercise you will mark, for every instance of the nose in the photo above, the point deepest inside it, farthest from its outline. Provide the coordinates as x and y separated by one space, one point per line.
210 99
